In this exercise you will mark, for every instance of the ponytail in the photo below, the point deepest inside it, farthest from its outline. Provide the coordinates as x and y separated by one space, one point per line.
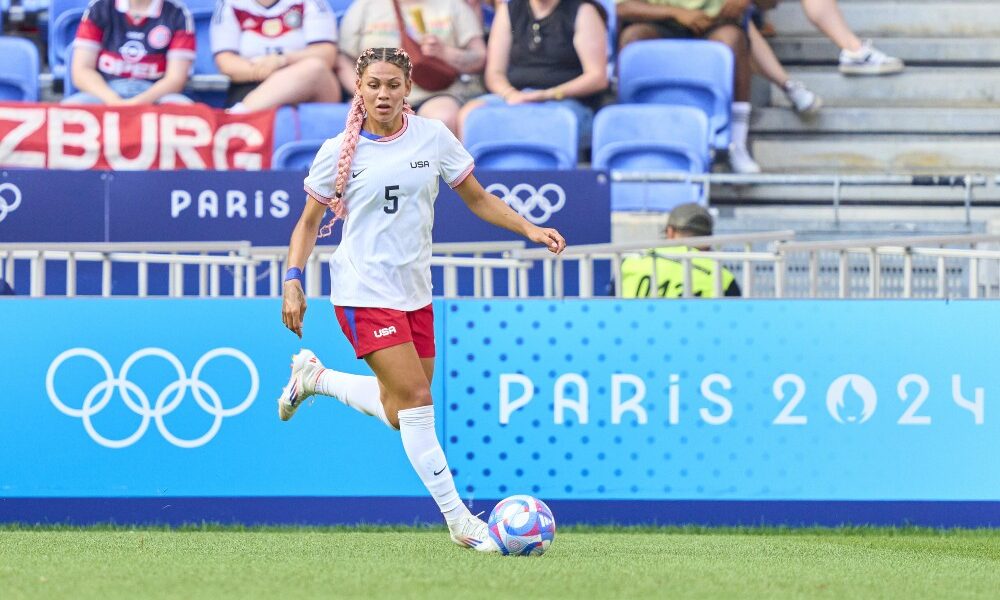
352 131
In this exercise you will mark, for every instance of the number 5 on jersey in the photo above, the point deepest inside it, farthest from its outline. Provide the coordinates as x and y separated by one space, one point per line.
391 199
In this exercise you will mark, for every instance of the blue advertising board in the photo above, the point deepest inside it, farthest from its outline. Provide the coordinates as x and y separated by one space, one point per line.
630 411
52 206
262 207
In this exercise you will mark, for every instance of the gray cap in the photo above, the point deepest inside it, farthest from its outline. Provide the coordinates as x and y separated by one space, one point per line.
692 218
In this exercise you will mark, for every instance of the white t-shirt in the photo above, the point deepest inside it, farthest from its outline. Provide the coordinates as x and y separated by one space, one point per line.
383 259
252 30
372 24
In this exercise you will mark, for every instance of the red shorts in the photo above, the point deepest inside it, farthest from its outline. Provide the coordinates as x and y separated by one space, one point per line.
370 329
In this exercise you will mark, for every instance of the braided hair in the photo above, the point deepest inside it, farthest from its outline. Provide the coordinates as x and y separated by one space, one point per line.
355 119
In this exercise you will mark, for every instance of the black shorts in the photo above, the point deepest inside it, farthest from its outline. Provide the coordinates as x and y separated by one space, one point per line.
670 29
417 106
238 91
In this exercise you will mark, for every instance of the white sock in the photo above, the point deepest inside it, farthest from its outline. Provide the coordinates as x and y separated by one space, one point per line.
416 427
741 123
360 392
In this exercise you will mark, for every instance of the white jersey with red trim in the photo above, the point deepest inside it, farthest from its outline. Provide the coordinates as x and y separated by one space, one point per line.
252 30
136 48
384 257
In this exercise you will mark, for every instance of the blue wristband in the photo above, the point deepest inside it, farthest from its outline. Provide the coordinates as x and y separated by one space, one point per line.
293 273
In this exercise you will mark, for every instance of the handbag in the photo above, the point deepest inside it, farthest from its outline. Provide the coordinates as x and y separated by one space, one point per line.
429 72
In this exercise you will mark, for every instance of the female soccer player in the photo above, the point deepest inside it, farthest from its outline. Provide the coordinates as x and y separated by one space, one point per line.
381 176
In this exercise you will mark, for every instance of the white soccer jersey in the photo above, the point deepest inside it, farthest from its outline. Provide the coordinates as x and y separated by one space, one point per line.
384 257
252 30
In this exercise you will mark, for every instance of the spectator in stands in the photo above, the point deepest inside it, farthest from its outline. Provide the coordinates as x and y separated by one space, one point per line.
548 51
803 100
132 52
446 29
857 57
723 21
685 221
276 52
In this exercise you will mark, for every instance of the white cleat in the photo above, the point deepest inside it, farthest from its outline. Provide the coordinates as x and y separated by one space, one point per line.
472 532
306 369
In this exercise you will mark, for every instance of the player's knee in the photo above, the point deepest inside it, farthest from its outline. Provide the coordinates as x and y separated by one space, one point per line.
417 396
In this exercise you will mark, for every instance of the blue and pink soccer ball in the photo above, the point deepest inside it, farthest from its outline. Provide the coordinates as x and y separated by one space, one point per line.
522 526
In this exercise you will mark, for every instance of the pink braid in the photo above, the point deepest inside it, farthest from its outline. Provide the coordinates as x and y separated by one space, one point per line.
355 121
352 131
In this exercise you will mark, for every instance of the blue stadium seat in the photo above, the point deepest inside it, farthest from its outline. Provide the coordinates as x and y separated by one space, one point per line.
67 76
286 126
19 77
64 18
609 6
695 73
300 131
526 136
649 138
296 156
339 7
204 62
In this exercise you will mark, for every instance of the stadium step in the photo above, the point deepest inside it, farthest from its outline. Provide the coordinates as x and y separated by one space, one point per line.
879 153
871 120
909 18
916 86
915 51
890 197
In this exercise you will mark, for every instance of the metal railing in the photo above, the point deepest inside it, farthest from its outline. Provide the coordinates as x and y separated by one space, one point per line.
242 265
482 259
736 251
208 257
968 183
767 265
915 267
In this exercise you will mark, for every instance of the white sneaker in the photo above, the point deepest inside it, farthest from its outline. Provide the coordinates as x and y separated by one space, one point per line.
869 60
804 101
740 160
472 532
302 384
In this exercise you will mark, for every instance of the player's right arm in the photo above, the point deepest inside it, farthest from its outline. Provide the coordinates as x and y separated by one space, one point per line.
293 298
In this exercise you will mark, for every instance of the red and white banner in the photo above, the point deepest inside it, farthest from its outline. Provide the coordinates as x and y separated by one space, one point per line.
133 138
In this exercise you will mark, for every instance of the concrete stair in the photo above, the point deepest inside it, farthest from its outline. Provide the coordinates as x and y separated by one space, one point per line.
901 18
938 87
915 51
941 115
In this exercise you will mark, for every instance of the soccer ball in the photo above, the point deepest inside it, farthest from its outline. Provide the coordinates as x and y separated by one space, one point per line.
522 526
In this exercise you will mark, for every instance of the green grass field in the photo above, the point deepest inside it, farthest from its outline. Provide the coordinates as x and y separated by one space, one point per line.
214 562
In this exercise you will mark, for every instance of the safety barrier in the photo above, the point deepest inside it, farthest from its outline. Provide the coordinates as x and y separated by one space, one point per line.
836 182
767 265
243 265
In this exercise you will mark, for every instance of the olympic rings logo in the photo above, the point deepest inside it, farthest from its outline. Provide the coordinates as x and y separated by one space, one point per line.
11 205
138 402
534 205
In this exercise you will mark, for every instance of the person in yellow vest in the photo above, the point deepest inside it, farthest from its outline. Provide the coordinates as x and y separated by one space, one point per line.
686 220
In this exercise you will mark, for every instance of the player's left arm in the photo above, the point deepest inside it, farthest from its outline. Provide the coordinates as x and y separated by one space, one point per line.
495 211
